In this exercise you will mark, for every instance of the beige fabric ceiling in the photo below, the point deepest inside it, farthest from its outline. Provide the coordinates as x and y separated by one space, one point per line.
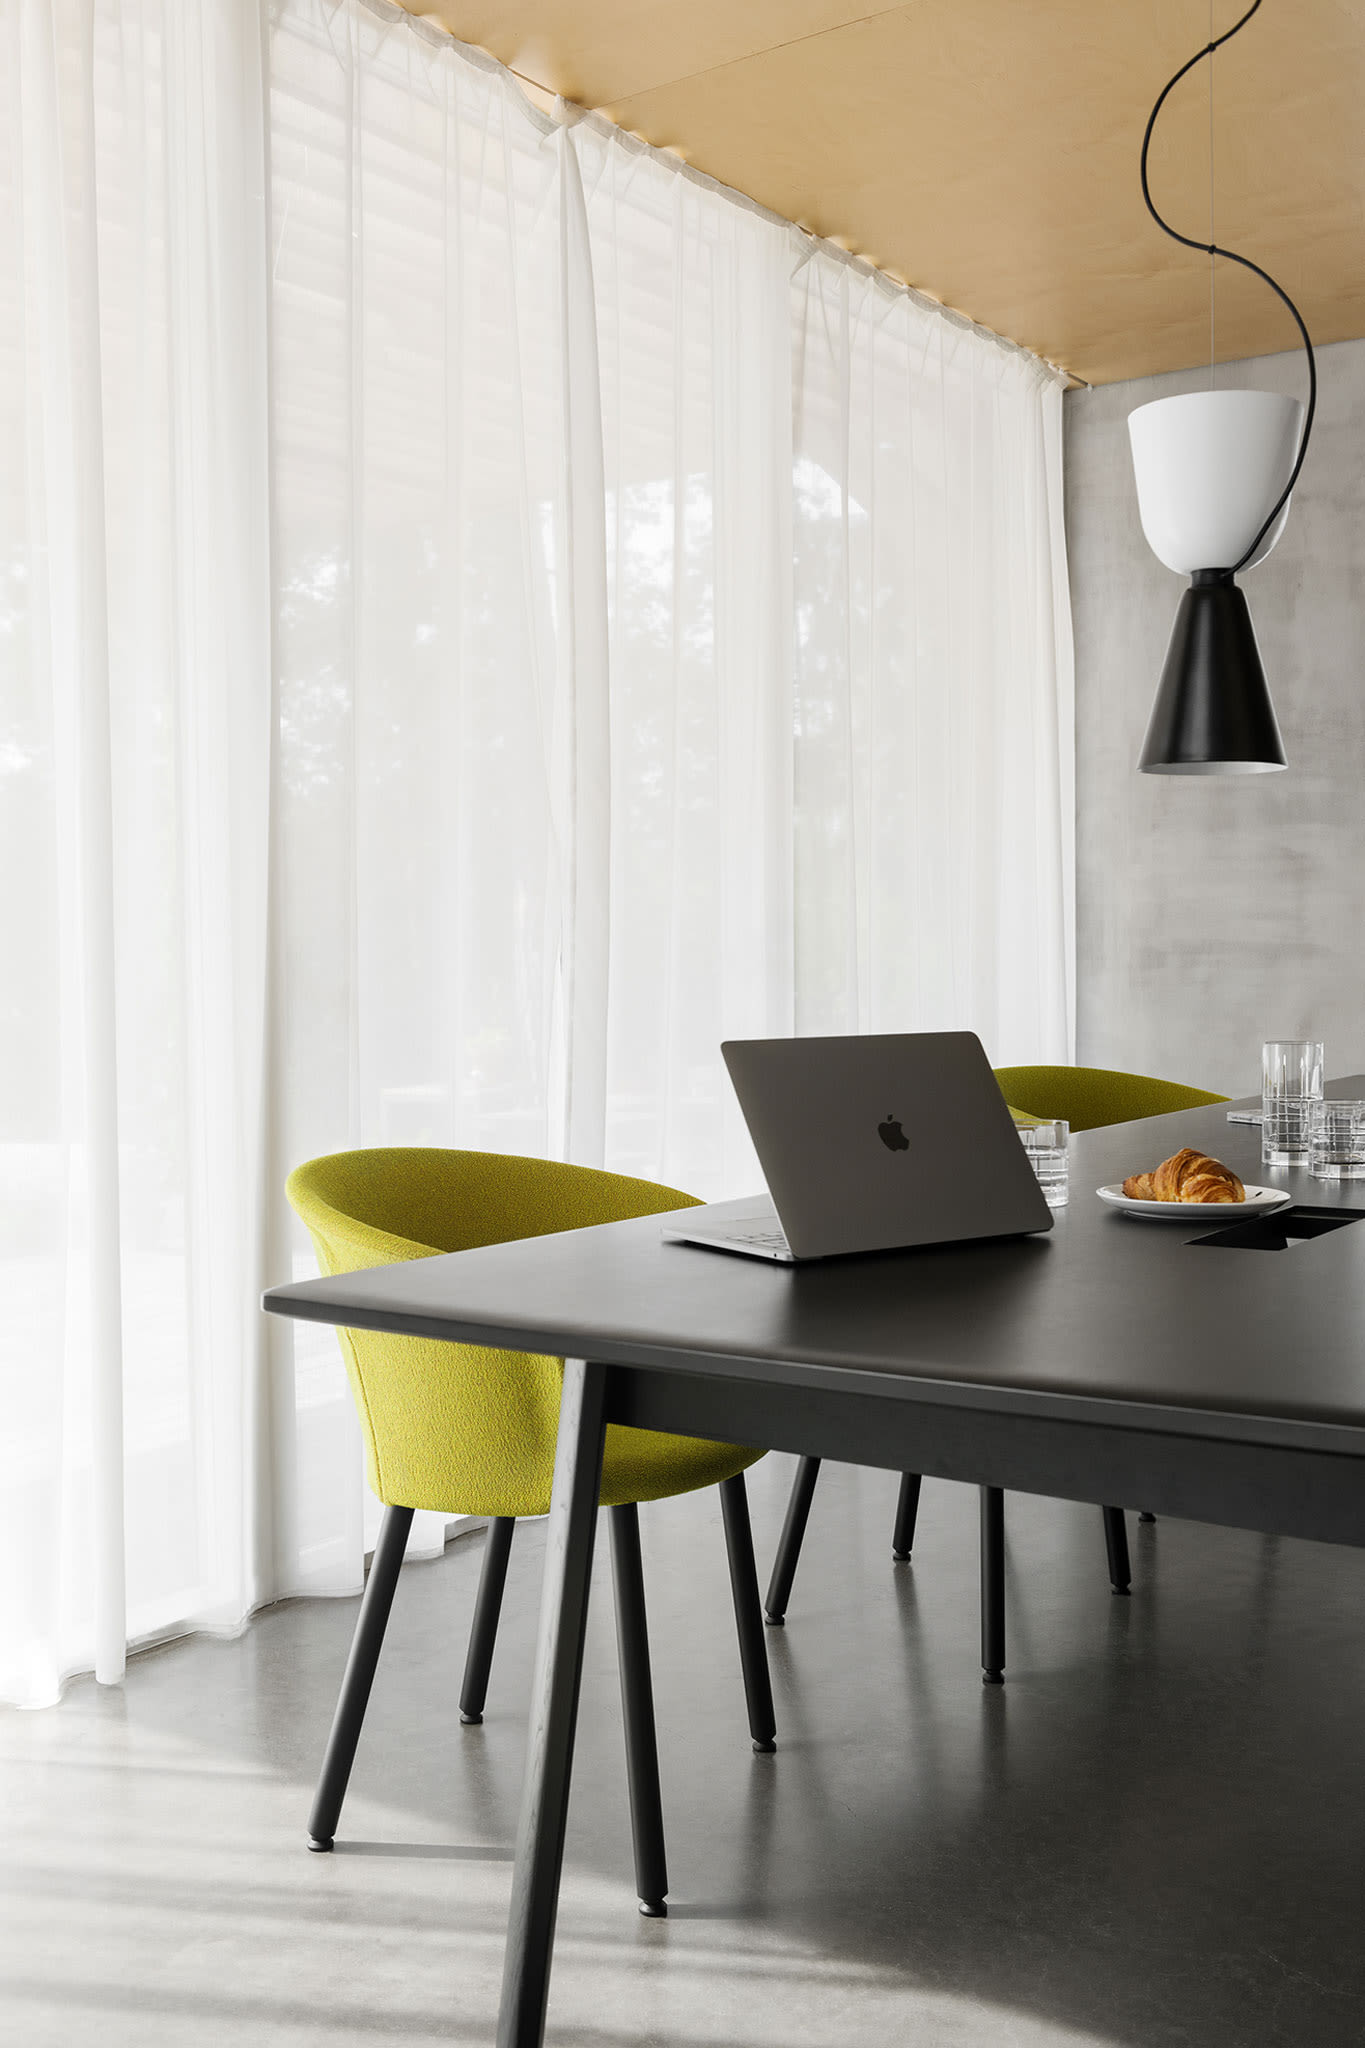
986 150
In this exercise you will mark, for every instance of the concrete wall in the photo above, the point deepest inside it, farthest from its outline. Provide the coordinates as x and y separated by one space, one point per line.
1215 912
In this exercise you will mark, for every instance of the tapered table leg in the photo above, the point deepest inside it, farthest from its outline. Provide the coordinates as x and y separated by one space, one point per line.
554 1706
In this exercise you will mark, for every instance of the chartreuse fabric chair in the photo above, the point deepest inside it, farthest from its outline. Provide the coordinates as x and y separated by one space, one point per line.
469 1430
1086 1097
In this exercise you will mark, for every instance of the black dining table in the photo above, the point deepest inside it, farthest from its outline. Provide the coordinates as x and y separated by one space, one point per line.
1205 1369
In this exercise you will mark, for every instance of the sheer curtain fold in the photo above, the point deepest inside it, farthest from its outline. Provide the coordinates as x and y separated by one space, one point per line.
53 186
581 777
485 615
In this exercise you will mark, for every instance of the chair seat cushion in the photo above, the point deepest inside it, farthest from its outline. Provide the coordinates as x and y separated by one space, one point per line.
465 1429
640 1464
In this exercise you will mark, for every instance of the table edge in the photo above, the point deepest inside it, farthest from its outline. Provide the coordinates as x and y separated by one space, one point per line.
1171 1419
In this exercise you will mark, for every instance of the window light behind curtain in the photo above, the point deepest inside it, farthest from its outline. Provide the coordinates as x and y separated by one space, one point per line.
484 615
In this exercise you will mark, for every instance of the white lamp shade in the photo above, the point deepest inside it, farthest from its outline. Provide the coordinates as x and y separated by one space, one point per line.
1209 466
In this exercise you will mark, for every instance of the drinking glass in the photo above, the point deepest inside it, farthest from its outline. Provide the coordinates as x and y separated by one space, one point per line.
1336 1141
1045 1144
1291 1082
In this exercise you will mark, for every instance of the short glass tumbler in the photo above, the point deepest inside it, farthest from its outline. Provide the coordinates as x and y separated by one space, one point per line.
1291 1081
1045 1144
1336 1141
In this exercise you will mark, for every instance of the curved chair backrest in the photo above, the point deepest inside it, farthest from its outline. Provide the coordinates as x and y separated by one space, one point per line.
461 1428
1090 1096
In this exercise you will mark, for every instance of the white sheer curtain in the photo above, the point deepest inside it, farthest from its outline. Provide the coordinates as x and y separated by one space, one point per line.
933 709
136 751
439 577
484 615
695 341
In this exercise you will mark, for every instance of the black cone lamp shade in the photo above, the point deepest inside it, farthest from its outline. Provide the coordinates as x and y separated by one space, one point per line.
1213 714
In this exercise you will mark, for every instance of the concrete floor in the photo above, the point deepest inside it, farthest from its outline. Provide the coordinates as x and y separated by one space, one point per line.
1152 1835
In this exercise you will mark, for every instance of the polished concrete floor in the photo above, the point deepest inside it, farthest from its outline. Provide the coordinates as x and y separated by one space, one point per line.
1154 1834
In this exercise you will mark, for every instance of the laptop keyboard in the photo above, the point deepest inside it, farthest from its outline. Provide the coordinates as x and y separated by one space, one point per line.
760 1231
767 1240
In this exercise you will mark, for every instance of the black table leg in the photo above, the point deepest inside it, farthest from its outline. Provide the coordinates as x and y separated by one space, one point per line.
554 1706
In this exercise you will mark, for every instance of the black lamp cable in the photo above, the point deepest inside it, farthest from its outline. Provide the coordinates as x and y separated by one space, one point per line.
1212 249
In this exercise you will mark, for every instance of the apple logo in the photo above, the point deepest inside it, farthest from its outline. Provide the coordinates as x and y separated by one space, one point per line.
892 1136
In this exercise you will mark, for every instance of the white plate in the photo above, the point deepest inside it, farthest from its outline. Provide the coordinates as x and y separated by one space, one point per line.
1259 1202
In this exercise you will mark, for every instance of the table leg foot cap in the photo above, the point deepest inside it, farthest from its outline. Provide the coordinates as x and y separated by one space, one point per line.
320 1844
1145 1517
470 1720
776 1620
653 1909
1121 1592
764 1748
901 1556
992 1678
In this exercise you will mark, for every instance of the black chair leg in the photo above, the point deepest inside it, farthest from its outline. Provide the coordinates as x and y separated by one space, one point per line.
355 1686
483 1633
637 1704
753 1651
992 1586
789 1545
1116 1544
907 1510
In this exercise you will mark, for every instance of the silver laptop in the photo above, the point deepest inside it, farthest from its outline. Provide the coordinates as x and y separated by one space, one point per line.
868 1144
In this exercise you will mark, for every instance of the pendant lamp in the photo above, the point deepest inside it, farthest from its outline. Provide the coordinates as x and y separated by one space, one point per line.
1215 470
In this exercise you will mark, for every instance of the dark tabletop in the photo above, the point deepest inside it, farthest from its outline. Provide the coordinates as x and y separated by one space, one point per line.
1105 1318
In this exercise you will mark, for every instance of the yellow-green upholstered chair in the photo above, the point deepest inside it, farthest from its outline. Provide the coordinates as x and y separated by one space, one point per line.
1085 1097
469 1430
1088 1097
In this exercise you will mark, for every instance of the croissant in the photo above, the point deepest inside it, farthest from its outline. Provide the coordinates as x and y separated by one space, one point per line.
1187 1176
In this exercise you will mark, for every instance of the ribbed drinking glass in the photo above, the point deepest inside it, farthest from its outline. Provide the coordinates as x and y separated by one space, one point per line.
1046 1145
1291 1082
1336 1141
